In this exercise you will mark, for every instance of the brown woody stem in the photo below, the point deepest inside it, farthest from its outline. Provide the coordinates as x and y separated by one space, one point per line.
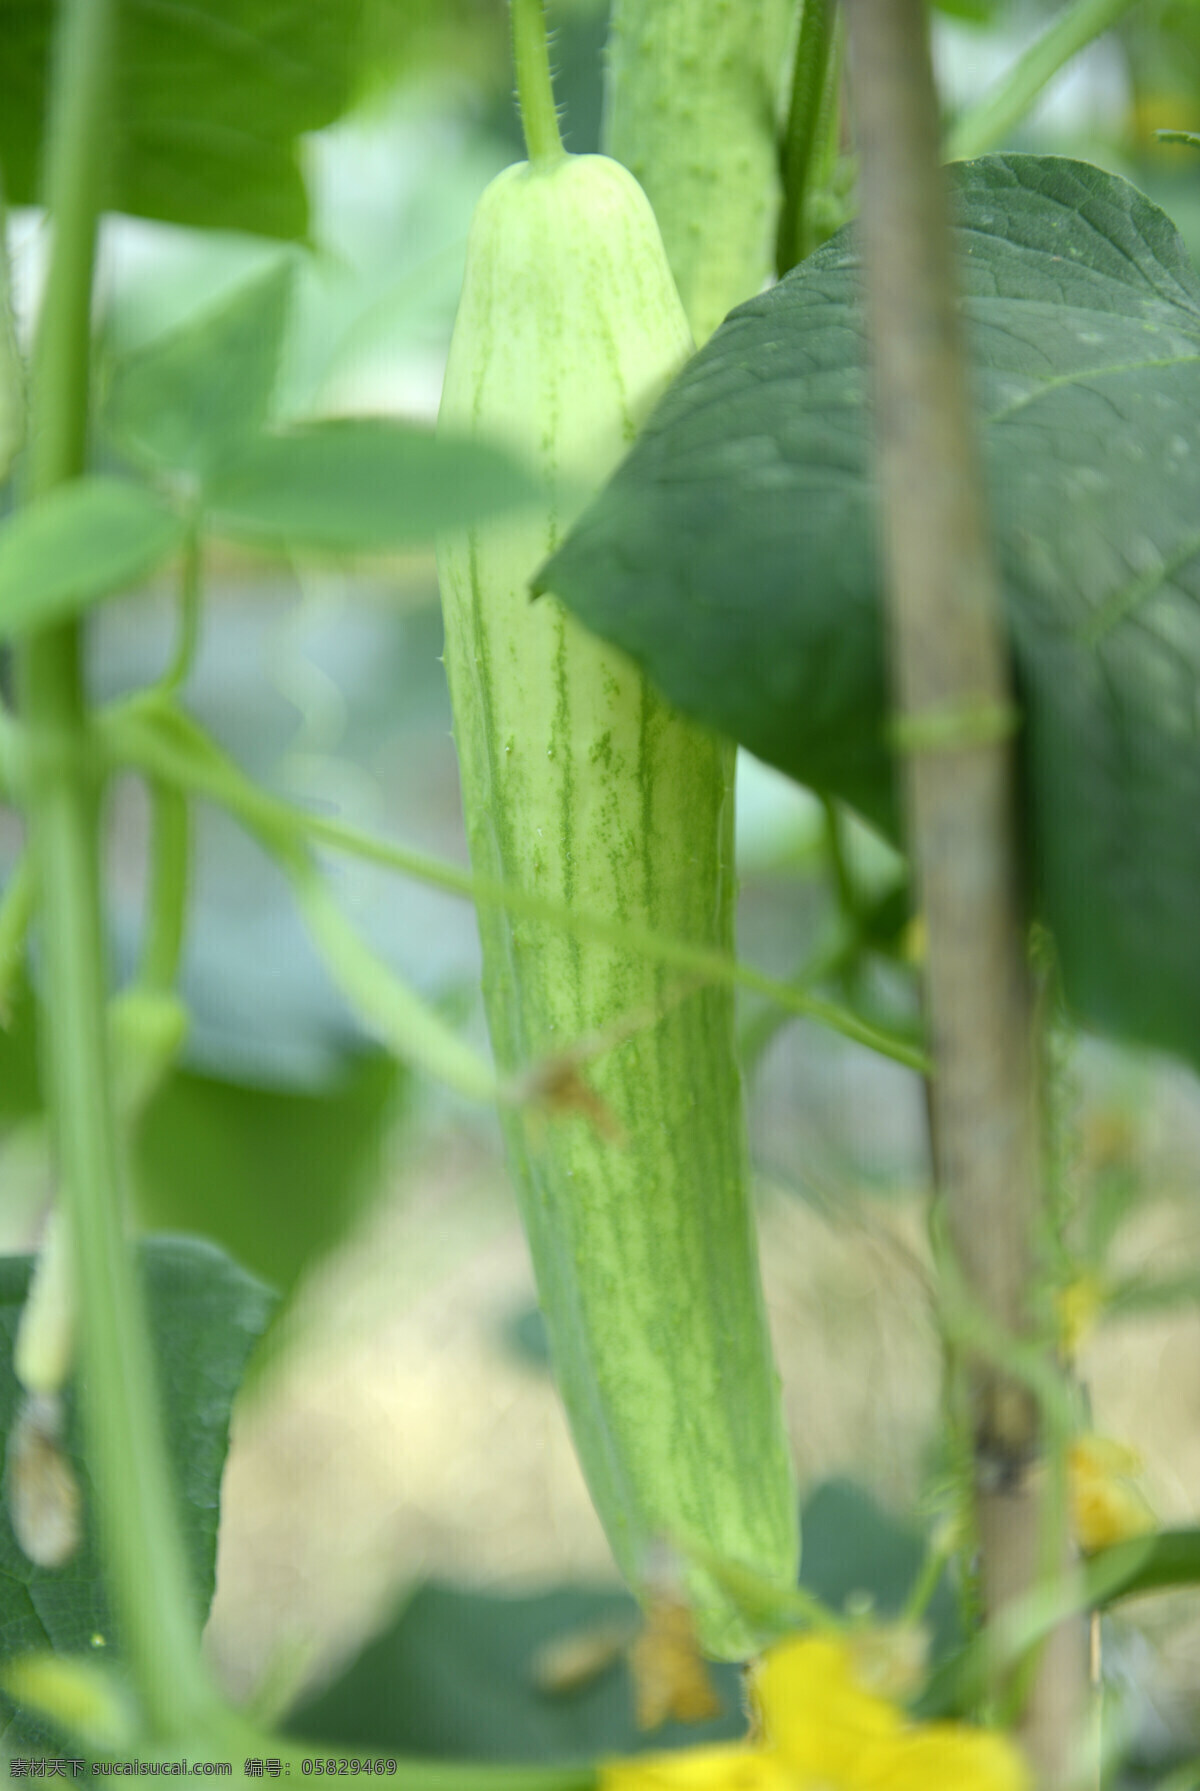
949 661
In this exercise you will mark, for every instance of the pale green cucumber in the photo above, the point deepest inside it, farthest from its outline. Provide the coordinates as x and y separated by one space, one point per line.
692 103
581 785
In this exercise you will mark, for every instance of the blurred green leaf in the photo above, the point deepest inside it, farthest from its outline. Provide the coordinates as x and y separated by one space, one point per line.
462 1674
274 1176
182 403
1161 1562
1156 1563
734 555
412 40
86 540
886 918
974 12
20 1090
854 1548
1150 1293
205 1316
523 1334
212 96
359 485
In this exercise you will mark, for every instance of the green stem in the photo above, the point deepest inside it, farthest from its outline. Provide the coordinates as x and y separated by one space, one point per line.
843 882
166 917
408 1025
128 1463
11 749
802 137
827 962
986 124
13 396
189 611
144 733
16 912
936 1561
535 90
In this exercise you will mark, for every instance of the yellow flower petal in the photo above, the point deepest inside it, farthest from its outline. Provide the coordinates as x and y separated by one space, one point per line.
913 941
943 1757
823 1730
1079 1306
720 1768
813 1708
1106 1505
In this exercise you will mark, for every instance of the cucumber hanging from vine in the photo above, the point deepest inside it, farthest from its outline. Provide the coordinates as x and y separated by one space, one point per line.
580 784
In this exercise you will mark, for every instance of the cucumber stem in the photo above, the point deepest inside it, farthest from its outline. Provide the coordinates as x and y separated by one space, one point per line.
155 739
167 897
802 138
535 90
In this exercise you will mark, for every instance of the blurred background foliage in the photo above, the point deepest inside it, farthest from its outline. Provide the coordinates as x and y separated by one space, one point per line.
324 679
377 1204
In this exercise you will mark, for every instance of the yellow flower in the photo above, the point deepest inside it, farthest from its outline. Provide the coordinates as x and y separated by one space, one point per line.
1080 1304
913 941
946 1755
820 1728
1107 1506
727 1768
814 1710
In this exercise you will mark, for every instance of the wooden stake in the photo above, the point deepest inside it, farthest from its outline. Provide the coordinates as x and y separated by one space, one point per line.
954 727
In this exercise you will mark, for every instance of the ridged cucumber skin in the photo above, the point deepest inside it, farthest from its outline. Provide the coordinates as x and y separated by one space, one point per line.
580 784
692 100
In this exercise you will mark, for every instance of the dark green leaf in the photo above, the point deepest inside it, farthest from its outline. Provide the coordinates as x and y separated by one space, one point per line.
1157 1563
975 12
886 918
524 1334
83 542
185 401
205 1316
460 1675
734 555
275 1176
854 1549
20 1087
858 1557
359 485
212 96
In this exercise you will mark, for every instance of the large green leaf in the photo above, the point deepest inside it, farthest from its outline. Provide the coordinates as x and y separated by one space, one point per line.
212 96
1159 1562
856 1550
460 1674
734 555
359 484
205 1315
198 402
183 402
274 1175
81 543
